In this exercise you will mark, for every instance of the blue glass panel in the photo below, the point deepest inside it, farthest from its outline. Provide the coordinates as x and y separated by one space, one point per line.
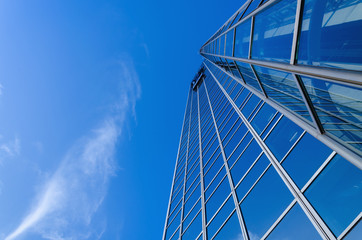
265 203
239 149
339 108
245 161
174 225
189 216
262 118
214 183
355 233
331 34
271 125
222 44
231 230
242 39
217 198
283 137
220 217
282 87
295 225
252 176
304 160
336 194
248 75
194 230
273 32
250 106
229 43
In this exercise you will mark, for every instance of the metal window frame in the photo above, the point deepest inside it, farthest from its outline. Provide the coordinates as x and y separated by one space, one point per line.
311 213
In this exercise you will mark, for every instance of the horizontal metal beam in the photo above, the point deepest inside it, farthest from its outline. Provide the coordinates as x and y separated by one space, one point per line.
329 74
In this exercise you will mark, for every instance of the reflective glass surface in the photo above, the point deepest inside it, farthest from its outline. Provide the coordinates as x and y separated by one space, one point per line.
273 32
339 109
221 216
295 225
242 39
194 229
331 34
304 160
355 233
336 194
283 137
231 230
248 75
265 203
229 43
263 117
281 87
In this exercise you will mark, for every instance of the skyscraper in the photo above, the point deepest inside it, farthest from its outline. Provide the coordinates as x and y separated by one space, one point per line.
271 141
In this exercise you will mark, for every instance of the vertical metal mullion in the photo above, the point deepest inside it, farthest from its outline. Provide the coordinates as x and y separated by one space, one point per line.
297 29
201 173
259 82
240 217
308 103
174 173
186 162
308 209
251 36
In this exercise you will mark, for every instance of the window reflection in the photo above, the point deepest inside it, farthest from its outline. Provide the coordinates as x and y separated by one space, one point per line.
242 39
339 108
283 137
331 34
336 194
295 225
264 204
273 32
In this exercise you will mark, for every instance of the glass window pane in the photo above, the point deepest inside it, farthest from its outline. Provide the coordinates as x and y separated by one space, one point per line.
304 160
231 230
283 137
222 44
295 225
245 161
248 75
194 230
252 176
220 217
331 34
265 203
229 43
242 39
263 117
217 198
282 87
253 5
336 194
339 108
355 233
273 32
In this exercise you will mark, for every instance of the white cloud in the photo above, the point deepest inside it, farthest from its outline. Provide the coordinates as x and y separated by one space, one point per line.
1 89
66 204
9 148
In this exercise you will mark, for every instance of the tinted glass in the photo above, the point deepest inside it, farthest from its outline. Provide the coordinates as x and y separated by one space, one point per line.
331 34
231 230
295 225
283 137
273 32
336 194
339 108
265 203
229 43
242 39
304 160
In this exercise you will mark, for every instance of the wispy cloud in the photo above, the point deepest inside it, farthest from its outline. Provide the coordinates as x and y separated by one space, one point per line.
67 202
1 89
9 148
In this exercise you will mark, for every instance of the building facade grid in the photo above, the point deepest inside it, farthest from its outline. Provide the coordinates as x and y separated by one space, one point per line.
271 141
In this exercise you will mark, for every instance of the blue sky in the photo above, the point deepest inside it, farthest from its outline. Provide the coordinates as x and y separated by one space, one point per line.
92 96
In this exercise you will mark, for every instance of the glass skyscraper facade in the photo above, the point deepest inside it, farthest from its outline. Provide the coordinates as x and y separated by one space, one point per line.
271 142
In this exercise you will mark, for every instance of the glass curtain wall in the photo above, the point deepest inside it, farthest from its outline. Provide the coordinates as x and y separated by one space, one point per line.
245 171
